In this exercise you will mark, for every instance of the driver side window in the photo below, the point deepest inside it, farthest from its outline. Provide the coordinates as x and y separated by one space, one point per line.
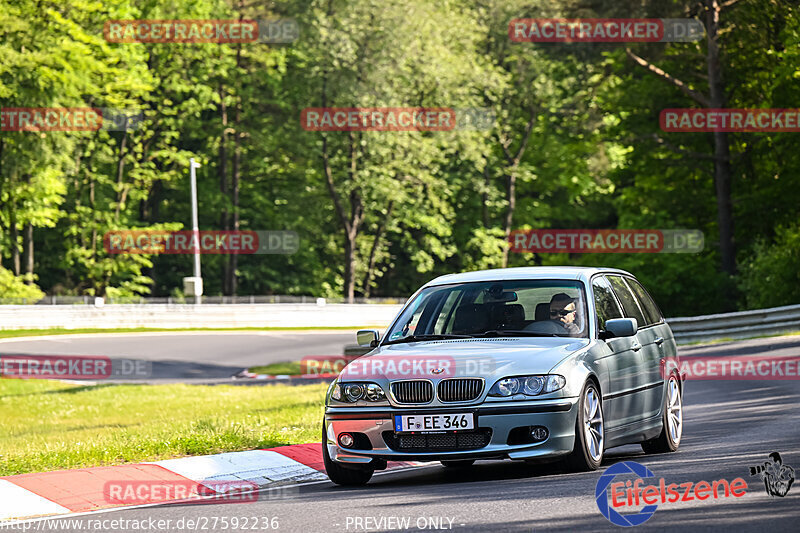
604 302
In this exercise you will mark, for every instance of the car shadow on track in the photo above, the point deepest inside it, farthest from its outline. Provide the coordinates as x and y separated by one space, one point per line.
482 471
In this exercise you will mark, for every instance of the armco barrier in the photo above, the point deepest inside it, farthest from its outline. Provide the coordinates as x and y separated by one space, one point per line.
687 329
739 325
196 316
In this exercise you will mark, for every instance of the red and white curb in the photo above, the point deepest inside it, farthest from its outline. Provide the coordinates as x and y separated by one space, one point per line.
299 378
65 492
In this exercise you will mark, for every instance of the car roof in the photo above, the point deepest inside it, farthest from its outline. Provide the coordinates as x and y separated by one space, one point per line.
516 273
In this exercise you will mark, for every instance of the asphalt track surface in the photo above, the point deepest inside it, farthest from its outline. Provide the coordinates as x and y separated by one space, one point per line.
190 357
729 427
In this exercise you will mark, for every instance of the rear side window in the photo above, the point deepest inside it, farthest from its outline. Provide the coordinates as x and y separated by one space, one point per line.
648 305
628 300
604 302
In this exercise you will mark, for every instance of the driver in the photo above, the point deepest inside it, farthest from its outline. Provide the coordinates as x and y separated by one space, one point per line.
563 311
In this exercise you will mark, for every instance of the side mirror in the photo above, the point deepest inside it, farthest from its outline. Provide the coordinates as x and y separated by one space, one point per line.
619 327
367 337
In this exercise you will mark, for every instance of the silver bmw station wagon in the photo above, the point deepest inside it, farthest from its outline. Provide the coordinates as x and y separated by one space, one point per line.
533 364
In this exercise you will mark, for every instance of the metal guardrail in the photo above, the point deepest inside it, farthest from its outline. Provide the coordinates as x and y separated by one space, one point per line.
71 312
739 325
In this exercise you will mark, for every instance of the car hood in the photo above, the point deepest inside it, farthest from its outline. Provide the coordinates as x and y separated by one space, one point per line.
484 357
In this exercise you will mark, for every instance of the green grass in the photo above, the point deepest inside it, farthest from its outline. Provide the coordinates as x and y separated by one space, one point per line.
291 368
49 425
60 331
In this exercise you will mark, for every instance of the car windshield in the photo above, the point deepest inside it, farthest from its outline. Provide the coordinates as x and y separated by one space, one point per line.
536 308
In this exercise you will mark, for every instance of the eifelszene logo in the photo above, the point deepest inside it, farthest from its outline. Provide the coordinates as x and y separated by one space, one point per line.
631 494
778 477
601 494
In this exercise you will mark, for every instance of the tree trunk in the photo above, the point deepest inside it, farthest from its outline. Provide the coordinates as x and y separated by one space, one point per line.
352 223
122 191
27 246
511 198
714 100
512 164
373 253
722 167
350 266
233 259
94 218
222 167
15 261
485 196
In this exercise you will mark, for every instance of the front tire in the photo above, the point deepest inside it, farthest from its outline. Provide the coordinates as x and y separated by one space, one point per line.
589 431
351 476
672 420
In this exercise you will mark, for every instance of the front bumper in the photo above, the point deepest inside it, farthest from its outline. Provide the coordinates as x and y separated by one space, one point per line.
499 418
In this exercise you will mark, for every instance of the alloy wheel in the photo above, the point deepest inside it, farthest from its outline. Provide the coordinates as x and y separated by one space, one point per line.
593 424
674 411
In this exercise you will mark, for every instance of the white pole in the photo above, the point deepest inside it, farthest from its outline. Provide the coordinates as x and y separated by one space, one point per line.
195 227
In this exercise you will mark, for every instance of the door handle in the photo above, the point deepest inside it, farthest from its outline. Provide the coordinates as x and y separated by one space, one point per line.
636 347
659 340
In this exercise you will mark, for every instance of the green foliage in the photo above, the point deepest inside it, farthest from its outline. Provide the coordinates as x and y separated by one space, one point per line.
771 277
83 426
13 289
576 131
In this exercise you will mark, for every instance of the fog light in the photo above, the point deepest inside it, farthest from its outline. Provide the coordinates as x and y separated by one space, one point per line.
538 433
346 440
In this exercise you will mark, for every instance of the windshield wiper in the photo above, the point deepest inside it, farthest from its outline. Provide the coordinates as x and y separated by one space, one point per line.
427 337
513 333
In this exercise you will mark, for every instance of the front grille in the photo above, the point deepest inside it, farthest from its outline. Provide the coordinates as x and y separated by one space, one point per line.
417 391
471 440
460 389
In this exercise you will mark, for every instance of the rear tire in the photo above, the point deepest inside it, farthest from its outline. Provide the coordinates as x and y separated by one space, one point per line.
349 476
587 453
463 463
671 419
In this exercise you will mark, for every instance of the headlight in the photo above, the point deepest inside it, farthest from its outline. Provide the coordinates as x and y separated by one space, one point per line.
374 393
528 385
352 392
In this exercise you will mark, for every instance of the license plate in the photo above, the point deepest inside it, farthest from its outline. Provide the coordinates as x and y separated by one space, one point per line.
434 423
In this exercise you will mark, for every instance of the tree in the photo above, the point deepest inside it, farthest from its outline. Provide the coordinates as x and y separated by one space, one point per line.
715 99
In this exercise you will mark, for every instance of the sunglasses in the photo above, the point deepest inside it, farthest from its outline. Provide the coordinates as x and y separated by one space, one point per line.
562 312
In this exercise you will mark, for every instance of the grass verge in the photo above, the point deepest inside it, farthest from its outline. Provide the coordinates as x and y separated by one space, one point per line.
291 368
60 331
49 425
